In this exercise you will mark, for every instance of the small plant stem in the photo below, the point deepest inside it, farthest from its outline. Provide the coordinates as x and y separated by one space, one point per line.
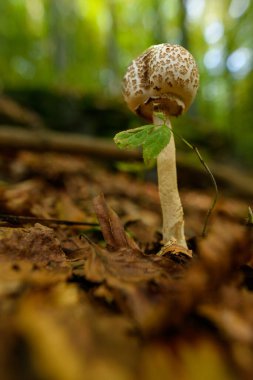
214 201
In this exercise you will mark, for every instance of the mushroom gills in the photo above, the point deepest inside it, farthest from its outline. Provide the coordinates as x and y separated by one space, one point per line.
168 103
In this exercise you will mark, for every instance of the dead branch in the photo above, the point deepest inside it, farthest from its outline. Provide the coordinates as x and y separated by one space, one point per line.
20 114
17 138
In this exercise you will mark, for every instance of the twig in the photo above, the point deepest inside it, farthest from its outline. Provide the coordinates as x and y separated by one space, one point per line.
14 219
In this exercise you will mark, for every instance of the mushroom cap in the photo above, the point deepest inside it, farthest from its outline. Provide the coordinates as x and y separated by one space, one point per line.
164 76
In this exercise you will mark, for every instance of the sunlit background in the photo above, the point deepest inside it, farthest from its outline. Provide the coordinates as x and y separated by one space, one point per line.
83 47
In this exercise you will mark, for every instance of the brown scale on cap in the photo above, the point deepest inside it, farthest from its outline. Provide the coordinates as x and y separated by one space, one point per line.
164 74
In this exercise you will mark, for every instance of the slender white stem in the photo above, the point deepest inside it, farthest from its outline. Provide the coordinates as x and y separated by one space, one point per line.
172 211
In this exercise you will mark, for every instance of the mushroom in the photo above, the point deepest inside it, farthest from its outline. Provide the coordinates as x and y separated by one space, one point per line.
164 78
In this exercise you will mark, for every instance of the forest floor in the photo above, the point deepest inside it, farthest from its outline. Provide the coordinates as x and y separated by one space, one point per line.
95 301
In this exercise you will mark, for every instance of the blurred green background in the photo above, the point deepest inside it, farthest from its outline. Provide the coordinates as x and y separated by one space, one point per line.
66 59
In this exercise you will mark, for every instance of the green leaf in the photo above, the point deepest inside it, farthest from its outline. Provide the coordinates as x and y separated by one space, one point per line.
153 138
161 116
133 137
155 143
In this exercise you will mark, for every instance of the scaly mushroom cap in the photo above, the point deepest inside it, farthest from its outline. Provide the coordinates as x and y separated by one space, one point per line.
166 75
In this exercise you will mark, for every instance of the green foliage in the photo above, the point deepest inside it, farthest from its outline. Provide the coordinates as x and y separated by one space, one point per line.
152 138
155 143
85 46
133 137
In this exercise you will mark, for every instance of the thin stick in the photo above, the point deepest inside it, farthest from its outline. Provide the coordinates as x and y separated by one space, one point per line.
210 210
14 219
215 198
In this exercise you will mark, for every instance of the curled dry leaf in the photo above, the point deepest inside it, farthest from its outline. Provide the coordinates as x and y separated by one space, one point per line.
139 283
111 227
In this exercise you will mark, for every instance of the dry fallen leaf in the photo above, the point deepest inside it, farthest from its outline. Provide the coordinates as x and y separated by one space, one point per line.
38 244
73 305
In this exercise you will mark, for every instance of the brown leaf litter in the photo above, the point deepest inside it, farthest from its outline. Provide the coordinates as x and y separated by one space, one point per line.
99 303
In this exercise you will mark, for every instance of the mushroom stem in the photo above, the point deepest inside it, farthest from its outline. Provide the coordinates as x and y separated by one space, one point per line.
172 211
